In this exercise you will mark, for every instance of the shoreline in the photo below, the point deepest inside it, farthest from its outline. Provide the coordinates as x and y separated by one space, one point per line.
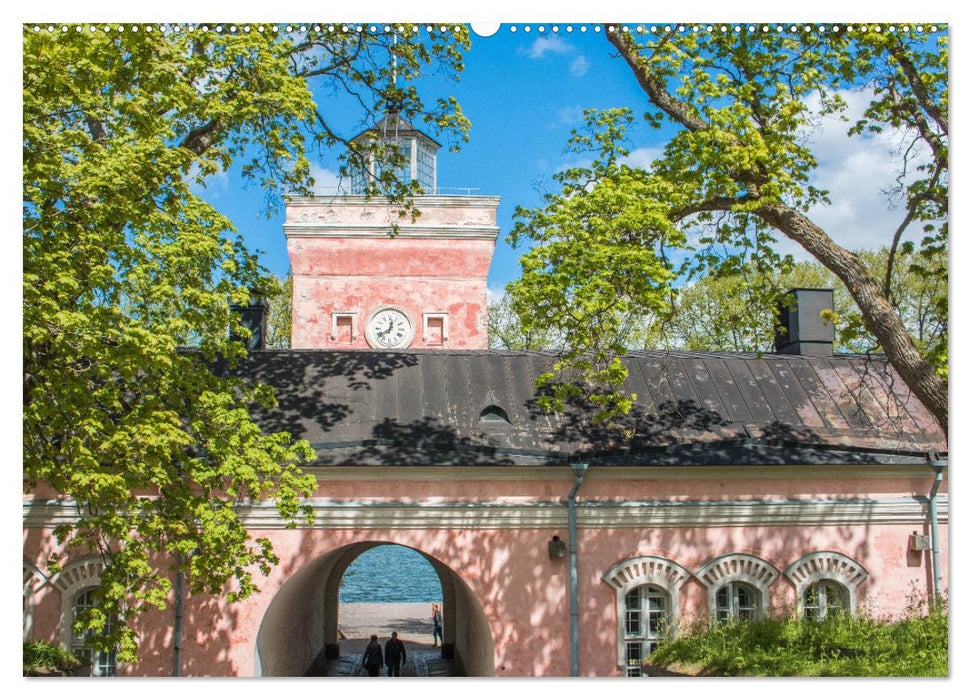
358 621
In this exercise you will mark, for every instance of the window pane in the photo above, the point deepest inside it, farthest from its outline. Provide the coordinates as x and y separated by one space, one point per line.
810 602
836 599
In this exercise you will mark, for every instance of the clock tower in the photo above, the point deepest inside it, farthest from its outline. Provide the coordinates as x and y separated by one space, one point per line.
355 286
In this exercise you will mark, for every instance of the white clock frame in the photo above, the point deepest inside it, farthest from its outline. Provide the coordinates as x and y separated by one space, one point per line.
369 331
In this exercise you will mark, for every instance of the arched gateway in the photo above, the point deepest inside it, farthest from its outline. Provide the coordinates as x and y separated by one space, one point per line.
299 627
731 467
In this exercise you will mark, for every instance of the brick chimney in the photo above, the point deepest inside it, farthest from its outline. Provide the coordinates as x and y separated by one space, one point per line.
803 331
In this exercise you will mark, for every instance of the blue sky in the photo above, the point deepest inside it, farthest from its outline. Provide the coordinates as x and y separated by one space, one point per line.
523 91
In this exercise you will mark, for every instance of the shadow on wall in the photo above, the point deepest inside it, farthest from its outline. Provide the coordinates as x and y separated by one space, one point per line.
300 626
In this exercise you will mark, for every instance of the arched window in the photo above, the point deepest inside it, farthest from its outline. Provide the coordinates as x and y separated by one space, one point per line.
826 583
77 582
738 586
824 598
33 580
103 663
648 604
736 601
646 610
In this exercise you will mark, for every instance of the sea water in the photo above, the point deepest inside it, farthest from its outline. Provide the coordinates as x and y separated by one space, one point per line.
390 574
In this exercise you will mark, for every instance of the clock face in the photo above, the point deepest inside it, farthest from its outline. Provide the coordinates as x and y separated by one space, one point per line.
390 328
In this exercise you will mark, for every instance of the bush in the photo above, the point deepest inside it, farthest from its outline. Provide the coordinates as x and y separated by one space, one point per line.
45 658
837 646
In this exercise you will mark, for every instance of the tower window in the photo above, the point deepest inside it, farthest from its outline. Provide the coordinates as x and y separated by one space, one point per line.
435 328
343 327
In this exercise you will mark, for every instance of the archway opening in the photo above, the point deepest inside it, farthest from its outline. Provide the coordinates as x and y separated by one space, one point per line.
389 588
300 633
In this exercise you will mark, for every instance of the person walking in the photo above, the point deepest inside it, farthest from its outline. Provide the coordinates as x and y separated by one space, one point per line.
372 659
437 624
395 655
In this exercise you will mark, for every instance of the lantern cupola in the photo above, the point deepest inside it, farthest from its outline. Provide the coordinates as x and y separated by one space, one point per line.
416 148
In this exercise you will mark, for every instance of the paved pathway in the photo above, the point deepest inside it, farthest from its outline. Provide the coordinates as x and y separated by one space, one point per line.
424 660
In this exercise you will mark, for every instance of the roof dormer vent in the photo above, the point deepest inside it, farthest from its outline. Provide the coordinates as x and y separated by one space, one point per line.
494 415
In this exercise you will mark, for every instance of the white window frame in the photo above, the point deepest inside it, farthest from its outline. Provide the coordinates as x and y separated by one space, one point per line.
829 566
343 314
822 589
636 572
99 660
34 579
737 568
73 580
426 317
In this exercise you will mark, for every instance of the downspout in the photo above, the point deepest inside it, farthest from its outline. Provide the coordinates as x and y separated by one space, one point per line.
177 632
579 470
938 466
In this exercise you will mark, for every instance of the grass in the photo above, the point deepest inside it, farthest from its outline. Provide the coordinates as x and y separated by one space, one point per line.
45 658
837 646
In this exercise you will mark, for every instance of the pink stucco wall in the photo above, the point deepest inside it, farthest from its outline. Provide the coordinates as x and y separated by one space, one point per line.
522 592
345 258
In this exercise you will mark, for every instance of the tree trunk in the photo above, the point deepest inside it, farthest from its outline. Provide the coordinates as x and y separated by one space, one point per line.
880 317
878 314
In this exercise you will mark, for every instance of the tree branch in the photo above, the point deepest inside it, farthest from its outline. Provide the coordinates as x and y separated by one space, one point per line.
917 85
679 111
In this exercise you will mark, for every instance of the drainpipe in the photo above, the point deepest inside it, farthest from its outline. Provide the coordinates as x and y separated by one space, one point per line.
177 632
938 466
579 470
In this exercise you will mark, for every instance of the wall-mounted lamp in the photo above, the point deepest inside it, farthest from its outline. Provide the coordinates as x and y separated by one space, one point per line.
557 548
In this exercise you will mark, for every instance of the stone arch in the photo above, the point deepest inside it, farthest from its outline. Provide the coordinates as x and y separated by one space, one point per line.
300 624
73 579
737 566
645 571
817 566
34 579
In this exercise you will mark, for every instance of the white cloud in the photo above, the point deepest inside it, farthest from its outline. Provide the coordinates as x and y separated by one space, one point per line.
569 115
643 157
325 181
857 172
495 293
579 66
547 44
215 184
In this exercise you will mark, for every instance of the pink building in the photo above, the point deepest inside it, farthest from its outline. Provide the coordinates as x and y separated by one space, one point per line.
797 483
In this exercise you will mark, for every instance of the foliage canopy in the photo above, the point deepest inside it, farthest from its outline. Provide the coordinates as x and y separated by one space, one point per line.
126 264
737 172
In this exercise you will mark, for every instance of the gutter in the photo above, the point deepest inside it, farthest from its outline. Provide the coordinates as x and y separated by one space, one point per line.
938 465
579 469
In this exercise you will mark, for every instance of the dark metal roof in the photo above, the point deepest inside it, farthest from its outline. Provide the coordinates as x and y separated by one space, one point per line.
434 407
394 125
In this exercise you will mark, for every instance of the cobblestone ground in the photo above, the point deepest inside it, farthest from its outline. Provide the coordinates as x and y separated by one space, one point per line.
424 660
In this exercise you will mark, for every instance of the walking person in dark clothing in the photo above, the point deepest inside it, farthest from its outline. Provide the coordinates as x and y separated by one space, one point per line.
372 659
395 655
437 624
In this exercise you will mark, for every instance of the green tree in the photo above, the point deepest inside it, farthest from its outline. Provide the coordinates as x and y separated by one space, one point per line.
280 319
736 313
124 264
737 172
506 331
